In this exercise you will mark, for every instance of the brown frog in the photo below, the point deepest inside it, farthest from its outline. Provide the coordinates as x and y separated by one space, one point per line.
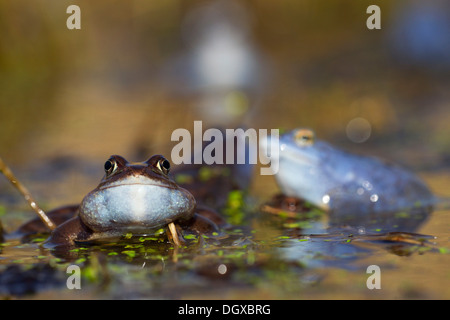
136 198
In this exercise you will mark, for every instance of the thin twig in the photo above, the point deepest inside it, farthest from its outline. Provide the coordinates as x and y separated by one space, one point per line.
27 195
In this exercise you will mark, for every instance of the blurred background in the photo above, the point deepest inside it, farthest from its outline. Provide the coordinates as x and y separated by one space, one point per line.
139 69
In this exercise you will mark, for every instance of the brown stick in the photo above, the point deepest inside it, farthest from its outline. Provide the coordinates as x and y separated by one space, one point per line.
27 195
173 231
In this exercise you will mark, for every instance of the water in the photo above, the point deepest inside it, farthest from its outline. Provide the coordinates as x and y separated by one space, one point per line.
266 257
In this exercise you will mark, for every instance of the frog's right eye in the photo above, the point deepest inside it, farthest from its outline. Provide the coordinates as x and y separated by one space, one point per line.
110 166
304 137
163 165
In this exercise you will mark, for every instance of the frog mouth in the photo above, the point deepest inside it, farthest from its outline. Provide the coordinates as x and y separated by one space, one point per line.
290 151
298 155
136 184
137 181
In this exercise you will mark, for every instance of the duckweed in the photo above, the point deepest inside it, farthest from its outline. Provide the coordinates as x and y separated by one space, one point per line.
402 214
298 225
128 235
129 253
182 178
2 210
205 173
80 260
235 207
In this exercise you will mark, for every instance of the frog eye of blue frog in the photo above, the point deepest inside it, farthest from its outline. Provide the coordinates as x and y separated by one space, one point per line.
304 137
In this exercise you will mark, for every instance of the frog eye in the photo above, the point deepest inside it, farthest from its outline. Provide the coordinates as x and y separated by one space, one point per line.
304 137
163 165
110 166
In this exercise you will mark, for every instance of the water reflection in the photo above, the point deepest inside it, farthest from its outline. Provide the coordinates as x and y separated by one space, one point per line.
318 239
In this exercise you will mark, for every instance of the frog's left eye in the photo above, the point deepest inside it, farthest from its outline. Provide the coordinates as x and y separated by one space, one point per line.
163 165
110 166
304 137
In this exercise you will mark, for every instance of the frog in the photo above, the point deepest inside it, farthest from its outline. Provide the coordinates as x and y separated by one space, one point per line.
354 189
135 198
